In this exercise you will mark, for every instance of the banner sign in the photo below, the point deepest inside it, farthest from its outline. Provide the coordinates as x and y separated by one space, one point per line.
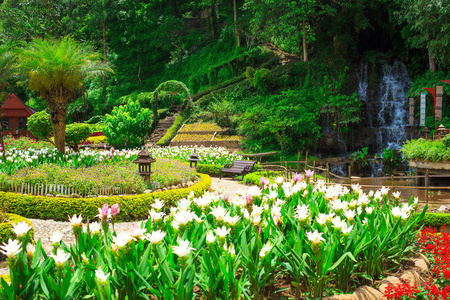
422 109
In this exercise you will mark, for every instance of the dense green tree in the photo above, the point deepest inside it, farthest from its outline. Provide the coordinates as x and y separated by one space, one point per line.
7 69
427 27
55 69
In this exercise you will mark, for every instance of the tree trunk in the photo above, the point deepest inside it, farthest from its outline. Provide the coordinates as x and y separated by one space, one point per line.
58 112
212 19
238 38
432 62
175 10
305 50
105 53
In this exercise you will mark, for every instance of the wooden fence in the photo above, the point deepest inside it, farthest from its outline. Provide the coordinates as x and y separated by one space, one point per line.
44 189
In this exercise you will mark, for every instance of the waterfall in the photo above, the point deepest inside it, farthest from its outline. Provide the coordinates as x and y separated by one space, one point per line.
387 106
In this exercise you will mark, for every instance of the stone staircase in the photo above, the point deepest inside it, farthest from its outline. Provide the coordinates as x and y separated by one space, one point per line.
160 131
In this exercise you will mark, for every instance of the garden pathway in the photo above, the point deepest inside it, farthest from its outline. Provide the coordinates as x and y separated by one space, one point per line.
44 228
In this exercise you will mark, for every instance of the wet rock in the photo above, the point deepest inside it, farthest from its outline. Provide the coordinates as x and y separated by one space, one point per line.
367 293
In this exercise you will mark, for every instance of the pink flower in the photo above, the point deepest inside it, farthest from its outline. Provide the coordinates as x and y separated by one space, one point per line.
309 173
249 199
115 209
226 197
297 177
103 213
264 181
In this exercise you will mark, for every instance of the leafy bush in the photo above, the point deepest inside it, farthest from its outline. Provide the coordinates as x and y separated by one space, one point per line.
426 150
5 228
40 126
435 219
96 119
172 132
210 169
77 133
127 125
134 207
96 140
255 177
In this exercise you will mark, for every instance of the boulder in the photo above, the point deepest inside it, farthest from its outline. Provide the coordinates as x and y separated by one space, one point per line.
75 195
148 191
421 256
412 277
61 196
49 195
421 264
388 280
367 293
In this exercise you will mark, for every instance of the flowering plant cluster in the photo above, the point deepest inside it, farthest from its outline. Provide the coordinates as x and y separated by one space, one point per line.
191 137
217 247
200 127
207 155
24 143
437 287
169 172
17 159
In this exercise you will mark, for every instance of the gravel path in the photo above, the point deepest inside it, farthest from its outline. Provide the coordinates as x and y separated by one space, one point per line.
44 228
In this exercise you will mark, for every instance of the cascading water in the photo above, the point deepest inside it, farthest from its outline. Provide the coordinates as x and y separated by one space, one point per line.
387 106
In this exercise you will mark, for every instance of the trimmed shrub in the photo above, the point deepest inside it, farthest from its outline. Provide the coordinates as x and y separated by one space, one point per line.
39 125
172 132
77 133
435 220
5 228
214 170
134 207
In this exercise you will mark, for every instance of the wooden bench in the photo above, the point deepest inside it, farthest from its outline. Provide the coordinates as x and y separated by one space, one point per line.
241 167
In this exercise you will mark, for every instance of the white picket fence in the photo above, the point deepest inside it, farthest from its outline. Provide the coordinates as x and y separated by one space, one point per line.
44 189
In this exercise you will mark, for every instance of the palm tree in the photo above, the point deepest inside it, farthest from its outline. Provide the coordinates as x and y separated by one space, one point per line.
55 69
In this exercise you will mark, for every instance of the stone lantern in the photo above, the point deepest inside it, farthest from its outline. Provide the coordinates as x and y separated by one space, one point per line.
441 130
194 158
145 161
426 131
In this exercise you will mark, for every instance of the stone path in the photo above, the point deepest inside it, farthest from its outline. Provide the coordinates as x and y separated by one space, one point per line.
44 228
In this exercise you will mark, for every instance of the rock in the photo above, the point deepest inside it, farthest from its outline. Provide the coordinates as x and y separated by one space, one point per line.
61 196
341 297
158 190
91 196
75 195
164 189
102 196
442 208
421 265
184 184
412 277
367 293
179 186
421 256
148 191
388 280
49 195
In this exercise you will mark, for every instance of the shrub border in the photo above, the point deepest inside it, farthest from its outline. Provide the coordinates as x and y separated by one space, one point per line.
5 228
132 207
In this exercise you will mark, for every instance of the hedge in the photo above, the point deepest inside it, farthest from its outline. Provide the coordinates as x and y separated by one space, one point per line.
435 220
172 132
5 228
132 207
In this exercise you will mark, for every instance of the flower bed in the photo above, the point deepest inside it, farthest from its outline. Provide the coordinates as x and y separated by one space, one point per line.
220 137
213 247
25 143
200 127
207 155
192 137
169 172
133 207
437 286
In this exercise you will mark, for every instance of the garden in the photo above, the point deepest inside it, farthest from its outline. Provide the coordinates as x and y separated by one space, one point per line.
287 239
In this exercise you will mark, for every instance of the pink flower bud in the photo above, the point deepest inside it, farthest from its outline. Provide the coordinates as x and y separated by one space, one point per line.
115 209
105 211
226 197
309 173
297 177
264 181
249 199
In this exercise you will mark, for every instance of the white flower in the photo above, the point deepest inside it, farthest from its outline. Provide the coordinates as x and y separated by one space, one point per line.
12 248
384 191
230 249
155 216
184 204
266 248
95 227
416 200
155 237
121 240
222 232
346 230
136 231
396 195
349 214
101 276
338 205
158 204
182 249
315 237
369 209
76 221
338 223
302 212
182 217
30 249
210 237
56 237
322 219
231 220
21 228
61 257
219 213
396 211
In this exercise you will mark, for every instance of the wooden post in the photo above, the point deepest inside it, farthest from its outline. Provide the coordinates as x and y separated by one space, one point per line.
350 176
327 176
392 181
426 185
314 170
306 160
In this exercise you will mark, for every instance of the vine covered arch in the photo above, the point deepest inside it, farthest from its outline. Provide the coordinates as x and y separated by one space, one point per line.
170 84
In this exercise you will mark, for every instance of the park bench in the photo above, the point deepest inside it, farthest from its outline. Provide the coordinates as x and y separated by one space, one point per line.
240 167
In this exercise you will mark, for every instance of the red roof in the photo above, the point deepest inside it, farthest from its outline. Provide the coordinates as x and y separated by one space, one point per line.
14 107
